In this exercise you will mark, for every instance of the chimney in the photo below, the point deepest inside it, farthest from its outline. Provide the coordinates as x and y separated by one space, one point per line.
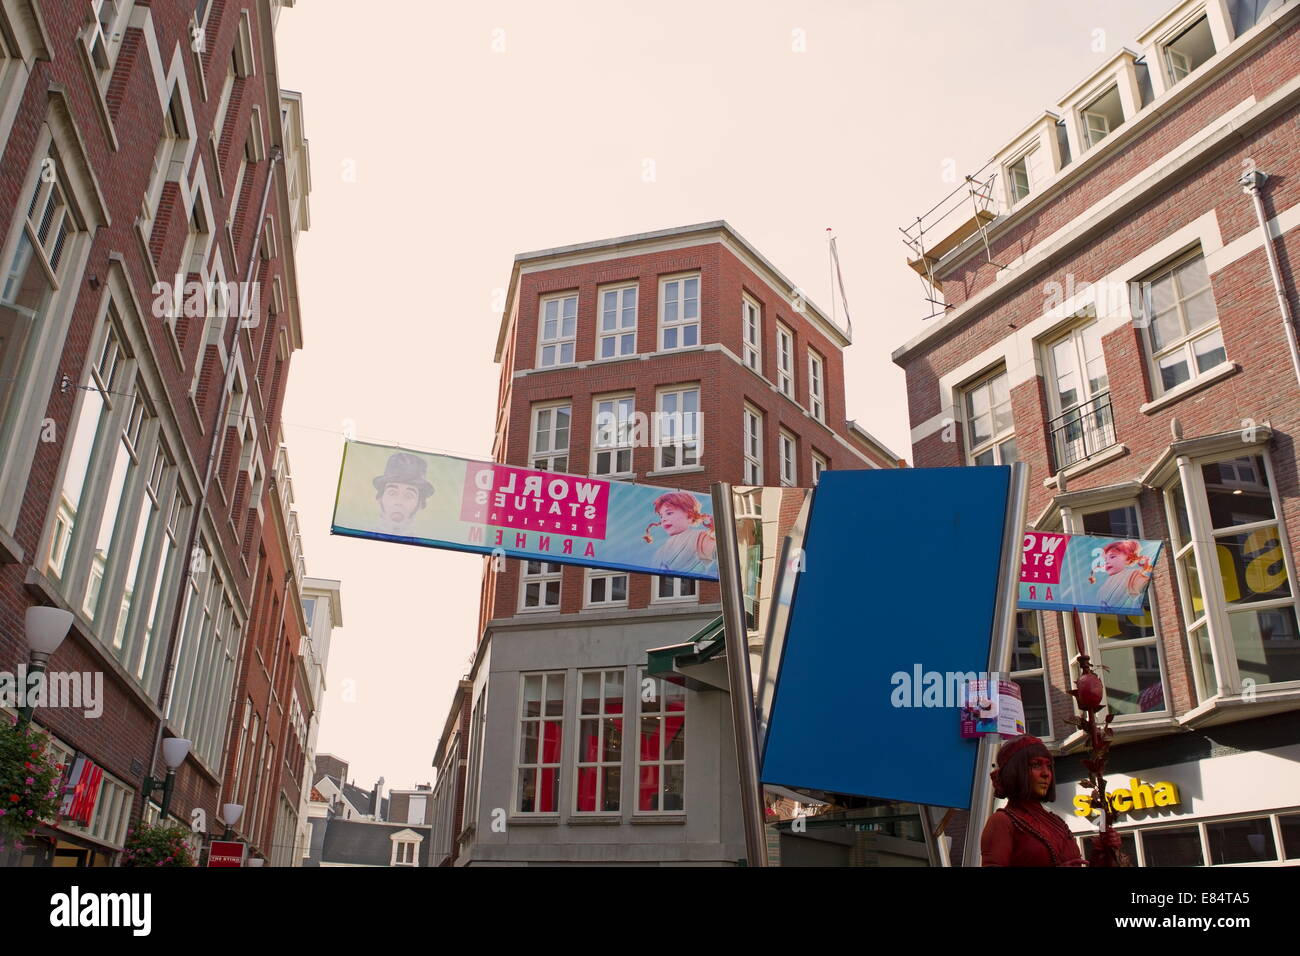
377 800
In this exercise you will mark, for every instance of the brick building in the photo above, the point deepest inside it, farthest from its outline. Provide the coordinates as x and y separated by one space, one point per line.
154 181
677 358
1112 318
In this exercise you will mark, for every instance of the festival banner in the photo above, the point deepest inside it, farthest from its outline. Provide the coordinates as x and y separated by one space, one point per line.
1063 572
437 501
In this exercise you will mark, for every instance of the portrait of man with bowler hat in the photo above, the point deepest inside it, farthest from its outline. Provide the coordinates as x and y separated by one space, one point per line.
401 491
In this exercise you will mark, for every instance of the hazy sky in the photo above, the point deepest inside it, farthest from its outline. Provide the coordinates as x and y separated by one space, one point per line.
447 137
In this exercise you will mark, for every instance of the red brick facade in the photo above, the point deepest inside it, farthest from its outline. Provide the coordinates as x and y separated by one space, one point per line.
111 143
1263 387
725 384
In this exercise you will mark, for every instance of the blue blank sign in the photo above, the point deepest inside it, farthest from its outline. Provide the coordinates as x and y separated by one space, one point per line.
899 584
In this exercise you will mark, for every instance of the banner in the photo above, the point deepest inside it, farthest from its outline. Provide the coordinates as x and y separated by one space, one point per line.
438 501
1062 572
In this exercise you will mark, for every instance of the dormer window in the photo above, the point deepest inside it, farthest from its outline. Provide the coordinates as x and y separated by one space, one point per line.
1188 50
1101 117
1024 175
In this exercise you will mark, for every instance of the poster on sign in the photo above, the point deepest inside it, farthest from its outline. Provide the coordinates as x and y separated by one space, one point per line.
437 501
992 707
1064 572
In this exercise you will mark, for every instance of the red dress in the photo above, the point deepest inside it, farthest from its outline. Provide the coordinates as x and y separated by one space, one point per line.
1025 833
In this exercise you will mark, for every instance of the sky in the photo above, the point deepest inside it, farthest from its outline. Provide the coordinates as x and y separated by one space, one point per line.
445 138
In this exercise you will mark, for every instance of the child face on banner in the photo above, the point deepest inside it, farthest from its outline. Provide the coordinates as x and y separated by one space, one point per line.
1116 561
674 520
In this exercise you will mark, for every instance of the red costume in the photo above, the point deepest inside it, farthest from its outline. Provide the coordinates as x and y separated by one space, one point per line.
1024 832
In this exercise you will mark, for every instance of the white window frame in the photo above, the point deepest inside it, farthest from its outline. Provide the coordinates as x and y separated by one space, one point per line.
1094 422
661 761
474 774
560 339
1095 126
1187 341
998 441
785 382
405 853
753 446
1176 72
600 765
787 453
751 333
541 577
546 460
619 332
817 386
820 465
1016 192
1215 616
1039 672
685 430
615 437
679 586
681 324
592 575
541 719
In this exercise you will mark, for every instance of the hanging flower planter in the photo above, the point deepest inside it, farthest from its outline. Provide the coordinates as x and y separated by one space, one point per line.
29 782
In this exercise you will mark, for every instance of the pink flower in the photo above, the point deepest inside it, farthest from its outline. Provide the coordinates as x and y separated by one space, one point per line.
29 781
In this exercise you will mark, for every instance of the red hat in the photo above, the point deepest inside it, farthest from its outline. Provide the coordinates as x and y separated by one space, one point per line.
1009 750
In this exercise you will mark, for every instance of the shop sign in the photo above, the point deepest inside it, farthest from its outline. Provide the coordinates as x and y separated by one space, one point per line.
81 791
1137 796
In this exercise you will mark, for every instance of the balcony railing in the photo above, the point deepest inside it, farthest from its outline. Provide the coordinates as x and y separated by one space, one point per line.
1082 431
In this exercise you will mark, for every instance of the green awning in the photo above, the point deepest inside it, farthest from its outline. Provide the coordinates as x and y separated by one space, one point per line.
704 645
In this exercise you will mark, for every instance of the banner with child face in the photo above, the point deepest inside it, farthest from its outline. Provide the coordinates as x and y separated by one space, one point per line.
1062 572
438 501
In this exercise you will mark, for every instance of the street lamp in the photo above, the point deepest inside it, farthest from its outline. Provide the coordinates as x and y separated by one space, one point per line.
45 627
174 752
230 814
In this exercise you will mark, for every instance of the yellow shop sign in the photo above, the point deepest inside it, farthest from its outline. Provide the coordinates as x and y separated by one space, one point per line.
1138 796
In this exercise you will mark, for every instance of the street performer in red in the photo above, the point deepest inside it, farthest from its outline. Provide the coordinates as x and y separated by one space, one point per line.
1025 832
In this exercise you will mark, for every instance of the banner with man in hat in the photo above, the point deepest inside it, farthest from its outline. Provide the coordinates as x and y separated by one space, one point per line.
438 501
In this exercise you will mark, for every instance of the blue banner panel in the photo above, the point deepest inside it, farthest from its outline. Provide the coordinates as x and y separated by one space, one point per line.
892 613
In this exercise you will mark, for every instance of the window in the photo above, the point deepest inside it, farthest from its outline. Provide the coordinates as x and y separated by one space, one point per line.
1079 396
1024 175
613 435
617 335
1030 673
677 429
168 159
661 746
559 330
785 361
752 326
990 429
785 448
753 446
1188 50
541 586
679 313
816 386
668 589
1173 846
819 465
550 450
1101 117
1182 326
1239 600
404 852
104 39
541 731
600 742
476 724
1129 646
606 588
44 235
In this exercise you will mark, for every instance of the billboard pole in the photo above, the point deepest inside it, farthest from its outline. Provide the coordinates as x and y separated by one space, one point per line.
738 673
1004 623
